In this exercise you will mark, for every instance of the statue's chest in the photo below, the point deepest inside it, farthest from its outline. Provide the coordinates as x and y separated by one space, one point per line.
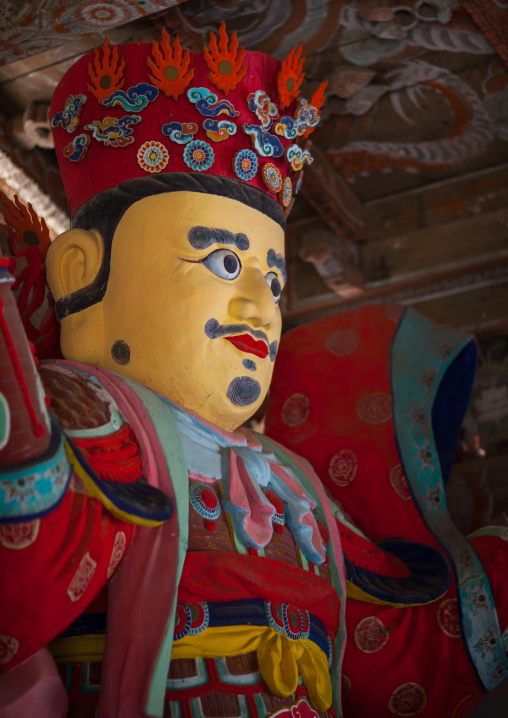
213 528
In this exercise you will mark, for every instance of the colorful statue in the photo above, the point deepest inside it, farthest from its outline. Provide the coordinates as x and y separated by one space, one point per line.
169 561
219 549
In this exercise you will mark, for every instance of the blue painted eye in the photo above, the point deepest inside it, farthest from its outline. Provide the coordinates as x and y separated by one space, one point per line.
224 263
274 284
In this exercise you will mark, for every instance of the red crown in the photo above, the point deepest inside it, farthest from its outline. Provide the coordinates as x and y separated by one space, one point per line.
134 110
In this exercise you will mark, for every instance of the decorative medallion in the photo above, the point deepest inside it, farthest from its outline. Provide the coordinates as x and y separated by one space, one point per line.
218 130
190 620
466 705
136 98
95 16
77 149
399 483
245 164
477 597
346 686
371 635
69 117
264 109
180 132
286 193
409 699
424 456
342 342
225 63
8 648
208 104
342 467
204 500
290 76
427 378
82 577
170 66
153 156
117 553
375 408
295 410
264 143
447 616
298 158
271 177
198 155
114 132
106 74
19 536
288 619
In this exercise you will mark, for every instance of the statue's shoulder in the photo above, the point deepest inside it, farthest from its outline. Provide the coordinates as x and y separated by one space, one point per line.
106 447
78 399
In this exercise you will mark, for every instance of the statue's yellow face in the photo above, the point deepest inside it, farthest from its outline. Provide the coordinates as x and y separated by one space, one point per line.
193 302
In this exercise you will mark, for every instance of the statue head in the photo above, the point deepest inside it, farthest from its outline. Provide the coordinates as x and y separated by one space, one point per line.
172 271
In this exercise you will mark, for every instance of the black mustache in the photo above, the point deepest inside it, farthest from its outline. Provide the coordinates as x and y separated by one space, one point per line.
214 329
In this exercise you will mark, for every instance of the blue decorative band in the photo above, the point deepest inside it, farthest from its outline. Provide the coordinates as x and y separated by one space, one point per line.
289 620
30 491
429 364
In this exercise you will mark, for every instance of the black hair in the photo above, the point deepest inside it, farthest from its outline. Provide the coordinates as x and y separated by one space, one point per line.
104 211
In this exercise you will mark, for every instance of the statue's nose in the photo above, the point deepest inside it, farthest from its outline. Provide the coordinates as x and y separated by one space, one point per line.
253 301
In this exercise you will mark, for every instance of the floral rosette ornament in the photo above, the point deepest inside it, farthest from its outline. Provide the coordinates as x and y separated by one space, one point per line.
286 193
198 155
231 112
153 156
272 177
246 164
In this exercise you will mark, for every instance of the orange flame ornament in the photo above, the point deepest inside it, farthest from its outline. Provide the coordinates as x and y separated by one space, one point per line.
30 240
106 76
317 101
170 66
226 64
29 230
290 76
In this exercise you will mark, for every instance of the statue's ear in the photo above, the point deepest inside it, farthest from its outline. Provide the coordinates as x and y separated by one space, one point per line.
73 261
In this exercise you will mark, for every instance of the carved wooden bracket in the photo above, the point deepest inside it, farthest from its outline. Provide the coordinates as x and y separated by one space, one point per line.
31 129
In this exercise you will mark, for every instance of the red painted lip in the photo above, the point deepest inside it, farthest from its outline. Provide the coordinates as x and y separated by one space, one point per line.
247 343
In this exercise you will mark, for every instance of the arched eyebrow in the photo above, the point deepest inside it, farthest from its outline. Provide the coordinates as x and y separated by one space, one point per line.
203 237
274 259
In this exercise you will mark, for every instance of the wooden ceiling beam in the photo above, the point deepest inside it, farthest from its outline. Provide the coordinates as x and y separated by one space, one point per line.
332 198
472 298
